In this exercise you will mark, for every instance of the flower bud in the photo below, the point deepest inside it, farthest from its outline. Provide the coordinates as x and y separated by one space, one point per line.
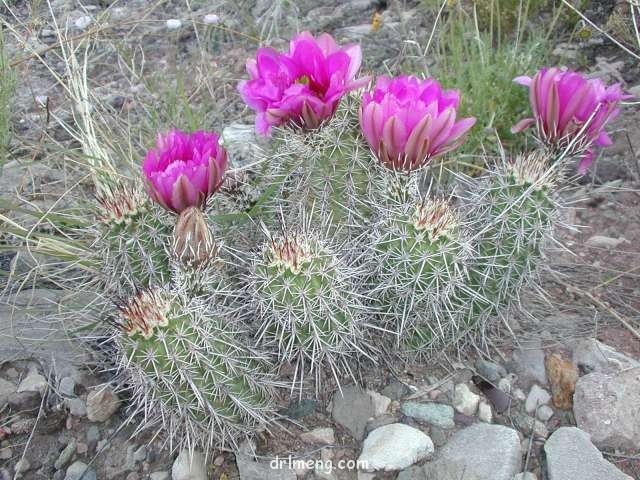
193 242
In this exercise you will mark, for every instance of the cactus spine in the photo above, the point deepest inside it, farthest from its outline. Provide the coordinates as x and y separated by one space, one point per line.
189 371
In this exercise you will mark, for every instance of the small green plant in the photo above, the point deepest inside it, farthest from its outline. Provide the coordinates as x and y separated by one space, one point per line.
7 90
474 62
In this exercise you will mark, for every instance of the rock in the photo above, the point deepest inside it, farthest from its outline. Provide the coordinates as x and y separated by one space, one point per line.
394 447
562 375
67 387
77 407
411 473
140 454
174 24
6 390
76 471
490 371
23 465
162 475
352 409
276 469
537 397
83 22
65 455
478 452
32 312
528 364
211 19
519 395
6 453
529 425
464 400
101 404
242 143
380 403
297 410
396 390
607 407
319 435
590 355
24 401
381 421
484 412
600 241
437 414
34 382
189 466
571 456
545 412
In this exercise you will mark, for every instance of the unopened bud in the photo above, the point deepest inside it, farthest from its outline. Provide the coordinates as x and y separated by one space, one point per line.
193 241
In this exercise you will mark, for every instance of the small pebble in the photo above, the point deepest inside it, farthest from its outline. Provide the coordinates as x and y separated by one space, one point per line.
174 24
211 19
484 412
545 412
83 22
22 465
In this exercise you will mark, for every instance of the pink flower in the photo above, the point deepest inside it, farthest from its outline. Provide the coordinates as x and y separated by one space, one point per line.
303 86
185 169
408 122
570 111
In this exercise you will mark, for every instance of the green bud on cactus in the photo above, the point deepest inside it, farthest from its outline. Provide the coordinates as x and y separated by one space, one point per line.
189 371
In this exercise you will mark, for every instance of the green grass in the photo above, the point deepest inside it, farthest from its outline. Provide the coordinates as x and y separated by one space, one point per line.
7 91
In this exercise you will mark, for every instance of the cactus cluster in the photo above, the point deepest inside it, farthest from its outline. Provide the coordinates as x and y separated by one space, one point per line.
188 371
355 260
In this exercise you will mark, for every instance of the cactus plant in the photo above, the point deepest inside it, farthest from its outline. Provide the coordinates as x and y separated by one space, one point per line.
307 302
418 259
188 371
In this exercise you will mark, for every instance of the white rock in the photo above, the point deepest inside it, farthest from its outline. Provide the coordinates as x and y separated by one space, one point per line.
162 475
505 385
380 403
34 382
537 396
464 400
319 435
394 447
545 412
211 19
83 22
189 466
484 412
519 395
174 23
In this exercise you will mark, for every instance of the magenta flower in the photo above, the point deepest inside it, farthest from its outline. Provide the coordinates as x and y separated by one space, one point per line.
570 111
408 122
185 169
303 86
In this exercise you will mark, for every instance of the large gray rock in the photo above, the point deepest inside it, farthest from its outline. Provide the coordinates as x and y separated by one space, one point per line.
394 447
33 326
352 408
479 452
572 456
607 407
437 414
590 355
